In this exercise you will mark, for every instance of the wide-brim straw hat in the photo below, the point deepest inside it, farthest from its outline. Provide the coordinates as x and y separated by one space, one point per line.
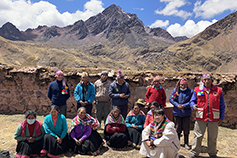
141 101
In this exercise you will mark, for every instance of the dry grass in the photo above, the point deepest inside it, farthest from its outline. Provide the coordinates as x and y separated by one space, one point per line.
227 141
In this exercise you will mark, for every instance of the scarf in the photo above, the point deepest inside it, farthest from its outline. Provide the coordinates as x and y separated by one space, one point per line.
203 89
131 113
111 119
89 120
159 131
64 88
149 113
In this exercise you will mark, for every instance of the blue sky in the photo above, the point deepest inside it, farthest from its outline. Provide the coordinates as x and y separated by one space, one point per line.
178 17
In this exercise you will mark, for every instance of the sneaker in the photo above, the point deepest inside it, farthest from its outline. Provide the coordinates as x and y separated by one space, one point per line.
187 147
192 155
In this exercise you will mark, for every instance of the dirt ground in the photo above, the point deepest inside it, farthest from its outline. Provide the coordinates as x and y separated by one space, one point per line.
226 145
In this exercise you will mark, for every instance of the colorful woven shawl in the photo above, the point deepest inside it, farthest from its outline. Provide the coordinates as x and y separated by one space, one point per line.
131 113
159 131
149 113
111 119
91 121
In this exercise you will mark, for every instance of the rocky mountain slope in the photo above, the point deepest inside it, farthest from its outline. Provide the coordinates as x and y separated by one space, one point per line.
112 24
111 39
214 49
119 40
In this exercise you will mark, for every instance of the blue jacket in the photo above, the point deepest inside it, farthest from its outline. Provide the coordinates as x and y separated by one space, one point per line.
183 99
55 93
90 94
61 126
138 120
115 89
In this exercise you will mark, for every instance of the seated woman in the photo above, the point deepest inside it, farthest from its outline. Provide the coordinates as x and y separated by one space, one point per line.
55 139
134 122
115 132
29 136
149 116
84 137
159 138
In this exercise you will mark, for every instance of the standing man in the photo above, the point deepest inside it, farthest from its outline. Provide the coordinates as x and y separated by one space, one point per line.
210 111
84 93
119 93
58 92
180 98
102 96
156 93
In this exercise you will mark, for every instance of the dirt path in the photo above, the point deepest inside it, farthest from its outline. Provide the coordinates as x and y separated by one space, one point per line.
226 145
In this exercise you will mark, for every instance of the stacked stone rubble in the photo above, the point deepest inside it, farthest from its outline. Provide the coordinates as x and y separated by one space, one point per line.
26 88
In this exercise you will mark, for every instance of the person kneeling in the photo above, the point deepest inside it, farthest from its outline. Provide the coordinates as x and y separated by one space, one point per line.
159 138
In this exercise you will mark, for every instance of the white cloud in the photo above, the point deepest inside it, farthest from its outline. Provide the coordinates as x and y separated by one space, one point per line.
160 23
210 8
189 29
141 9
24 14
172 8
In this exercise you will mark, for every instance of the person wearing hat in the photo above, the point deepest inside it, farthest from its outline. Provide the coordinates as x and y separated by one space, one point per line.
156 93
119 93
180 99
142 104
209 107
84 93
102 96
58 92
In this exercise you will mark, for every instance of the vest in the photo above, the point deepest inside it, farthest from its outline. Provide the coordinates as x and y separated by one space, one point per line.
208 105
37 128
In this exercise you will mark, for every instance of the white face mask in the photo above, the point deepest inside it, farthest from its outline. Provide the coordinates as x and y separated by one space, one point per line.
183 89
30 121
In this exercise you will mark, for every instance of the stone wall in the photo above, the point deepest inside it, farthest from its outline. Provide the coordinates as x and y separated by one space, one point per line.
26 88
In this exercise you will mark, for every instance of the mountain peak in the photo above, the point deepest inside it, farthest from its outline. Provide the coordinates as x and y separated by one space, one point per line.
8 24
9 31
111 9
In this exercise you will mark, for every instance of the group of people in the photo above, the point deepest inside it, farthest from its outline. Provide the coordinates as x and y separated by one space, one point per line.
145 127
54 138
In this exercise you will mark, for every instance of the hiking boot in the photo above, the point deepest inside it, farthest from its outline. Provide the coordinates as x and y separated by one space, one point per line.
186 146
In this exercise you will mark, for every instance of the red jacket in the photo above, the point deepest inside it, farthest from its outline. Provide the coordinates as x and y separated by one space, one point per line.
149 119
115 127
153 94
208 105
